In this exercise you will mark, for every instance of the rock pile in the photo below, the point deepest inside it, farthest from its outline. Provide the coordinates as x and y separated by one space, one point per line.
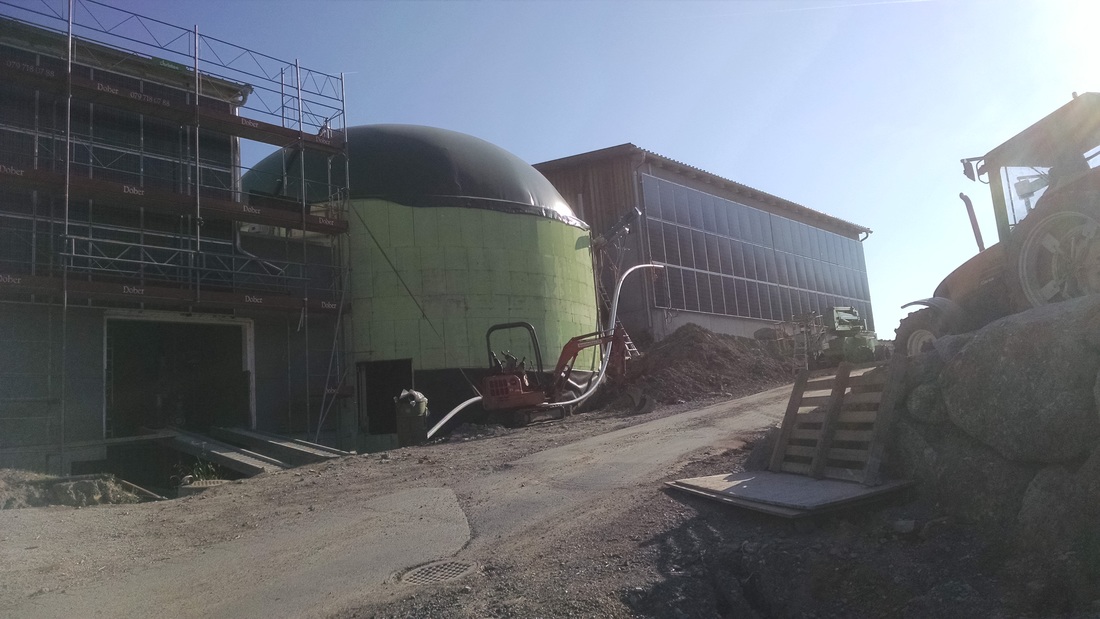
1002 426
25 489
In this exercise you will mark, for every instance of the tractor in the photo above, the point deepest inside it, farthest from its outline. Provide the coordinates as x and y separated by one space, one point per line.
846 338
1046 198
819 341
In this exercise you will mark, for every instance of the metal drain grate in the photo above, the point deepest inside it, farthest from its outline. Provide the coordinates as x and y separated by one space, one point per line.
440 571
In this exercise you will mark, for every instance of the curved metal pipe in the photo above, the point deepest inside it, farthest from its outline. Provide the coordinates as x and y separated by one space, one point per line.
603 364
453 412
606 354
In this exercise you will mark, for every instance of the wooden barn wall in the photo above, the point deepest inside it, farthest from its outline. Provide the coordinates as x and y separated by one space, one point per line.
606 190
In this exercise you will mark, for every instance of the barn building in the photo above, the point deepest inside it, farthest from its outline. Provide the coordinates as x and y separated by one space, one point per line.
736 258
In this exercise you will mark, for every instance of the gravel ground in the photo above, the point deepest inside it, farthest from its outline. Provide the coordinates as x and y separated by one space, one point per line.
632 550
640 551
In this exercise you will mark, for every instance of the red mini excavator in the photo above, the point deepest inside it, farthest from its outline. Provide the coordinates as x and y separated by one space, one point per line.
523 396
509 391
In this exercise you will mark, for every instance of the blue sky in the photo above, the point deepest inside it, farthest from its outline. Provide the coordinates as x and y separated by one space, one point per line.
860 109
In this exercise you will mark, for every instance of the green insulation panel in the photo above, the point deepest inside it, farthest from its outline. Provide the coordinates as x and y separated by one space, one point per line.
427 283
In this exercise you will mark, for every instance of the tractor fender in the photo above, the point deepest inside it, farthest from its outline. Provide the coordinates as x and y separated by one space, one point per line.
951 314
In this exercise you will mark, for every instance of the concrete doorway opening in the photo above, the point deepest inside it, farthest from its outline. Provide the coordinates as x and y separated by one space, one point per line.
379 383
188 373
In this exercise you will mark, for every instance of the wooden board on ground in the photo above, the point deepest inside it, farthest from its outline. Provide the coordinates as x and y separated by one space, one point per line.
783 494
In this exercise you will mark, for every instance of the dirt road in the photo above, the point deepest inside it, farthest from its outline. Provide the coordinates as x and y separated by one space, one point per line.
332 540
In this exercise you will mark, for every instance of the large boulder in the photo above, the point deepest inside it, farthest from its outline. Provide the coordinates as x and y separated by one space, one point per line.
1024 385
925 404
1061 508
1060 519
951 467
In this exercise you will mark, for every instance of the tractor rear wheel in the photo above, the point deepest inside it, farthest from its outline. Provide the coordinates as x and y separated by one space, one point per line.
917 331
1058 259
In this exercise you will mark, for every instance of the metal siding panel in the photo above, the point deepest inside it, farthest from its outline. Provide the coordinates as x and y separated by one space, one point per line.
656 242
738 255
702 282
675 288
721 217
717 294
699 249
742 288
714 259
729 291
725 256
687 258
695 208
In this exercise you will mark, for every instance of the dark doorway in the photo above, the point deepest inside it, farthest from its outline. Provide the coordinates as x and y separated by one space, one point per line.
174 373
379 383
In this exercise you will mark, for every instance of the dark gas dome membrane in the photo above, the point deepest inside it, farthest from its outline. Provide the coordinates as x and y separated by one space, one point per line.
420 166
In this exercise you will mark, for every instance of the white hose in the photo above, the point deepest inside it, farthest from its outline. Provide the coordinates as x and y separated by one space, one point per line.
453 412
610 328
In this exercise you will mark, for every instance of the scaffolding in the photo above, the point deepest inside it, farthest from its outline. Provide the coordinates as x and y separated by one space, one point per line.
808 339
121 141
801 339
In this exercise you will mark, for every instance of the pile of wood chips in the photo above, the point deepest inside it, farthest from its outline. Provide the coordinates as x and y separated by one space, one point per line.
695 363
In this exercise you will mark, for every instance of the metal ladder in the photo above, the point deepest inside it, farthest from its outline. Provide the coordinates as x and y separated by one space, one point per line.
801 355
809 330
631 350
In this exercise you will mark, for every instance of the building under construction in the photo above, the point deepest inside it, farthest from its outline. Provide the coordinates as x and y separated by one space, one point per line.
151 286
138 288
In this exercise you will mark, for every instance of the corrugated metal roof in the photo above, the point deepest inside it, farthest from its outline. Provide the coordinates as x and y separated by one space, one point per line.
631 150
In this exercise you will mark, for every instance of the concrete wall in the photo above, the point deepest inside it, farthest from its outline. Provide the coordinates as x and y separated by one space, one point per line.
84 376
30 381
29 378
30 384
666 322
281 378
272 394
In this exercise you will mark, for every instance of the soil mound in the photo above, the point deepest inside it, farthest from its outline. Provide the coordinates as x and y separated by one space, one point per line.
695 363
26 489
